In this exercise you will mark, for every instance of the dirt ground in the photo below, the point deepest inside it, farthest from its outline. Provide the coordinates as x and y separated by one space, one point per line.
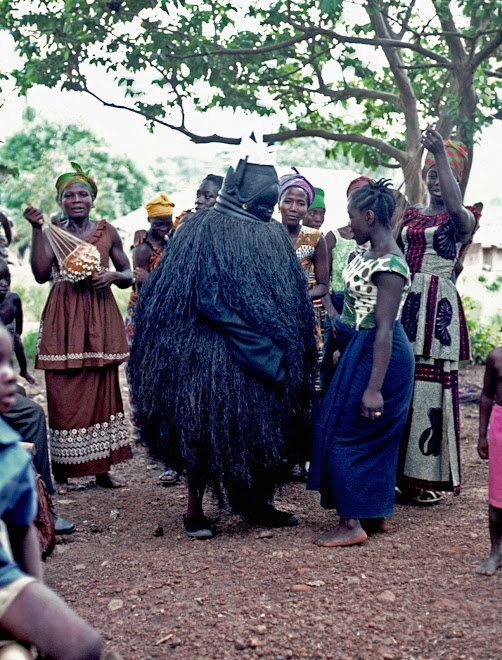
154 593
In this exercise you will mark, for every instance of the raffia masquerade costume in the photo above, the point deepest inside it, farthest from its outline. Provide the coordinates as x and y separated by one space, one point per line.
224 344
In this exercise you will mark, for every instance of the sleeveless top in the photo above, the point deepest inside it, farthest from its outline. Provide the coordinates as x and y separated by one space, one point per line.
81 327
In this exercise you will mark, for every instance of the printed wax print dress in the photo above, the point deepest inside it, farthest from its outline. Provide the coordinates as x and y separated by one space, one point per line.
433 319
80 345
305 247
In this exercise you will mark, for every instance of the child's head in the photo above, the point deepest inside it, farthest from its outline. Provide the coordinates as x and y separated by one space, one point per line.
7 375
4 278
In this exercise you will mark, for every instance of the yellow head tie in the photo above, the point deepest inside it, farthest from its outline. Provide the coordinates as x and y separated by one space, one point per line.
159 205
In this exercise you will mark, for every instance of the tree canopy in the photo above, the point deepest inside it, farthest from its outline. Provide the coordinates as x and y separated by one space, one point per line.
366 77
42 150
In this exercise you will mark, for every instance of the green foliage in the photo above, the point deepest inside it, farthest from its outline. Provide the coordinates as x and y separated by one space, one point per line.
33 298
30 345
495 285
483 336
318 62
42 150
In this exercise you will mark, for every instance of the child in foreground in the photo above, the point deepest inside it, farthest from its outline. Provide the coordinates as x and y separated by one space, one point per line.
490 411
11 315
30 613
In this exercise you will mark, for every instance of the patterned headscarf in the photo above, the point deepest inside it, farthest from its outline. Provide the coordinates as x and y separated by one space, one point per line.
298 181
318 202
358 183
77 176
457 155
159 205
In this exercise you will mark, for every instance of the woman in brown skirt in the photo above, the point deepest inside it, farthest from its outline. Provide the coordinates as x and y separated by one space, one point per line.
82 341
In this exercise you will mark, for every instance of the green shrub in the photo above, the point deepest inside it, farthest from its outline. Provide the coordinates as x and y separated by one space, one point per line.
483 336
30 345
481 278
33 298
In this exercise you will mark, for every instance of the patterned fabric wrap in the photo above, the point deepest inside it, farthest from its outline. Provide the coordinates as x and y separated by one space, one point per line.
305 246
432 315
434 321
77 176
457 155
431 452
299 181
159 205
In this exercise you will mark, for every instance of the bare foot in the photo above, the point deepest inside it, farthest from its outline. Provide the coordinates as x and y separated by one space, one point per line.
27 377
489 566
106 480
375 525
348 532
61 487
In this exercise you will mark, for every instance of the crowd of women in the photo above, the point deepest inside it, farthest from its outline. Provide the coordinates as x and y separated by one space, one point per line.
248 358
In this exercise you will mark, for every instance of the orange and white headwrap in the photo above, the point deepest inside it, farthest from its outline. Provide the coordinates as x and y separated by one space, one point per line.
457 155
159 205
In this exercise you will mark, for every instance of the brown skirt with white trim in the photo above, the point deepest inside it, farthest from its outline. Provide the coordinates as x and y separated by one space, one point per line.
87 428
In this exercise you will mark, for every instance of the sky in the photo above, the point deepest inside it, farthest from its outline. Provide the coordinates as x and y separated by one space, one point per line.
126 133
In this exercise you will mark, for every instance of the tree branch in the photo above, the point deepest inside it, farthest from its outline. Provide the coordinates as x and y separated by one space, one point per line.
351 93
393 152
492 74
390 43
487 50
281 136
413 67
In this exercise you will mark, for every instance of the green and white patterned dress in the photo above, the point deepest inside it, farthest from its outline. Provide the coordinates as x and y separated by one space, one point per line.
360 295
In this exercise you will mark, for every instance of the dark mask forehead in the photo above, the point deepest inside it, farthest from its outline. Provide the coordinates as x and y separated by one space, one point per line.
250 190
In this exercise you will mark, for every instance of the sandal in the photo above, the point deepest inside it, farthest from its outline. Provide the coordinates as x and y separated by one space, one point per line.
198 527
169 477
426 497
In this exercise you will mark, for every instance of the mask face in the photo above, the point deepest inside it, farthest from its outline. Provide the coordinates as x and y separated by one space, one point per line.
262 206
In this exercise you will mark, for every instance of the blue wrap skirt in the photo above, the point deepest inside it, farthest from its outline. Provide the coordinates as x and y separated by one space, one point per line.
354 459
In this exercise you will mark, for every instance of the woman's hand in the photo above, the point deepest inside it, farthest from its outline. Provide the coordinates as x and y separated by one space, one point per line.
140 275
34 216
372 404
432 140
103 281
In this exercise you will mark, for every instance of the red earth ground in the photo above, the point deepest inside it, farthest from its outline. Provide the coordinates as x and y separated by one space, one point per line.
155 593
